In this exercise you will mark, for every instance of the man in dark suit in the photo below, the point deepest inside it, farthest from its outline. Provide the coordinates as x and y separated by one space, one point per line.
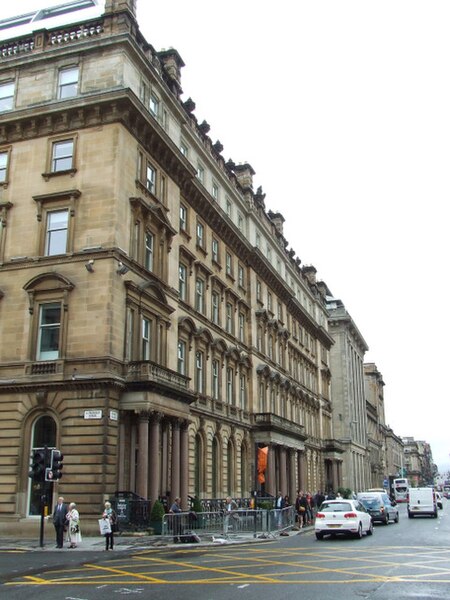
59 521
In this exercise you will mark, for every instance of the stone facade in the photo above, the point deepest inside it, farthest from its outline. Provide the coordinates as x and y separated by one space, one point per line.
153 324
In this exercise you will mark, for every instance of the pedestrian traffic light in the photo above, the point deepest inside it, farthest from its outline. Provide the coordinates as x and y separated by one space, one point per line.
38 464
57 464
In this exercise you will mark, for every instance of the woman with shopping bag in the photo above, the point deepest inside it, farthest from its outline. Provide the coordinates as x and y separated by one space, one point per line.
108 525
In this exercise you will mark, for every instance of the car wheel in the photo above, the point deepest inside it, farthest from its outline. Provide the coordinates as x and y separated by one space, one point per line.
386 519
319 535
397 518
435 515
359 533
410 515
370 530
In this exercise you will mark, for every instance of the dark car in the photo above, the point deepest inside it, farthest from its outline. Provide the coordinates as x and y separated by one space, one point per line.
380 507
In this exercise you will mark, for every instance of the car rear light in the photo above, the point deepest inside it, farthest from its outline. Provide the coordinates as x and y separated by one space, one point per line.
351 515
320 516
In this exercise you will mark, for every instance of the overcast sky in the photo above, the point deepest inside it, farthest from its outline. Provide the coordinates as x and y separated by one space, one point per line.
343 110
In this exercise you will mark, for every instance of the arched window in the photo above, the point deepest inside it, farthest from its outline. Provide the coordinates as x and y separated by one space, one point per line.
43 434
199 462
215 468
244 481
230 468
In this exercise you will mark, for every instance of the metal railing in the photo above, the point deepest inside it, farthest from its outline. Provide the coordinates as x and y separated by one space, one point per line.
241 522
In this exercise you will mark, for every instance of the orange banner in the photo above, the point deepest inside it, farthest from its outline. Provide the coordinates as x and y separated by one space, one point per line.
262 463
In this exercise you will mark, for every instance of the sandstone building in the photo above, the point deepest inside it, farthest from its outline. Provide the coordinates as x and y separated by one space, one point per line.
154 325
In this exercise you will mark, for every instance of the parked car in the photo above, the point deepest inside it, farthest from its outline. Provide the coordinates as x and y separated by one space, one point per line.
380 507
439 501
422 501
347 517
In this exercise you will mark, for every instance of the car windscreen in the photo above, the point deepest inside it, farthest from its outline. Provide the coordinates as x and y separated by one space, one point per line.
370 502
336 507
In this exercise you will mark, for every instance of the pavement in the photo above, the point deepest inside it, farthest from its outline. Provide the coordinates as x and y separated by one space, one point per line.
124 542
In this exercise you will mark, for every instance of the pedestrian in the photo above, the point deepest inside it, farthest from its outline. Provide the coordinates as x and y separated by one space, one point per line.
73 527
59 521
175 510
301 506
110 514
279 505
230 514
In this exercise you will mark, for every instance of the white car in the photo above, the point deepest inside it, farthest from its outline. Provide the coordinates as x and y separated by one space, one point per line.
344 517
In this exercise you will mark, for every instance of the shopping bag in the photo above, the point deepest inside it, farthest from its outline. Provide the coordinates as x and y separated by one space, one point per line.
105 526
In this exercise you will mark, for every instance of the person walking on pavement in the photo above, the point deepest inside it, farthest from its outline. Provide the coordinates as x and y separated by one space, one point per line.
59 521
279 505
230 511
175 510
110 514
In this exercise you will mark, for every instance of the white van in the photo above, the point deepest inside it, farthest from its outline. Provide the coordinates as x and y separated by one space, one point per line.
422 501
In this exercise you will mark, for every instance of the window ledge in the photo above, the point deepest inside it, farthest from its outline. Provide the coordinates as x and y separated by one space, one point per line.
51 174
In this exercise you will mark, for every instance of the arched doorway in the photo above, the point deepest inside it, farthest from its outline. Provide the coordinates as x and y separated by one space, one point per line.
43 433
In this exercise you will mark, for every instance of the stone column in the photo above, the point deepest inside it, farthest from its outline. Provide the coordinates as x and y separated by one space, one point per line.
271 482
292 472
175 462
154 458
184 465
142 466
165 457
283 471
335 471
302 471
122 437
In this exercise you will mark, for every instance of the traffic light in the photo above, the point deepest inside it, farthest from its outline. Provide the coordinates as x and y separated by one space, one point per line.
57 464
38 464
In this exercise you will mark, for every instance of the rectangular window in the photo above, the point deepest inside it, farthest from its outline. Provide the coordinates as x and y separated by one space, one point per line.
184 149
199 372
215 308
269 253
229 318
241 327
199 295
56 232
49 331
215 379
240 222
182 282
280 312
241 276
269 301
243 392
215 250
228 264
230 385
200 235
6 96
146 339
62 156
229 209
215 192
149 239
150 178
183 218
200 173
181 364
68 82
153 105
4 160
258 241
